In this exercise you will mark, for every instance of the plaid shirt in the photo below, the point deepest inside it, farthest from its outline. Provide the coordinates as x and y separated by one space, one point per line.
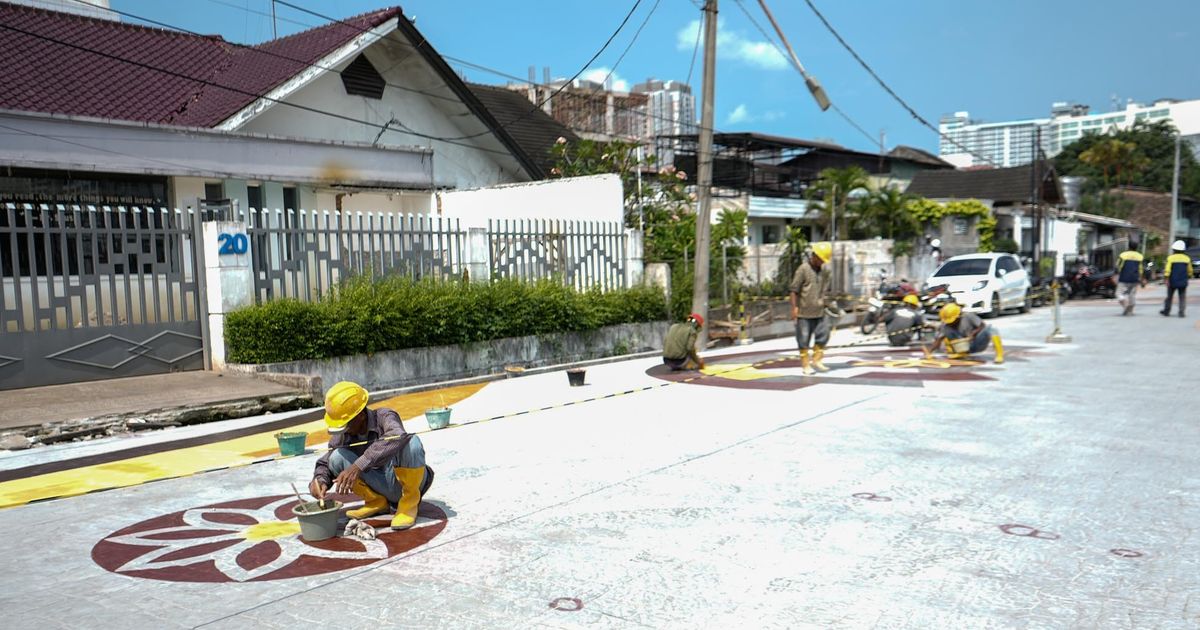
374 452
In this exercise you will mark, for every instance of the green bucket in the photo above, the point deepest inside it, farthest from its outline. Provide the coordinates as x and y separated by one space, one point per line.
438 418
291 443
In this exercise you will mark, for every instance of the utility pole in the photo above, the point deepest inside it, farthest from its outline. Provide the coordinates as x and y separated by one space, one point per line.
1034 194
1174 197
704 169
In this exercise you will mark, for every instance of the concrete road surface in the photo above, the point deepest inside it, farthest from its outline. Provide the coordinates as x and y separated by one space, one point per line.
1059 490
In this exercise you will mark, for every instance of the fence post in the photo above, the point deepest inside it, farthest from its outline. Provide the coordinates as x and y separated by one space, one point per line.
478 255
634 261
228 279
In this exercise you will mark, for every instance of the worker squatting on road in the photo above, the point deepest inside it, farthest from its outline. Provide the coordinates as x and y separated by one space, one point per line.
381 471
959 325
1129 276
679 348
809 291
1176 272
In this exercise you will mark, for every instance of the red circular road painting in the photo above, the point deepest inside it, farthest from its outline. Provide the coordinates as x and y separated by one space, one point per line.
781 370
249 540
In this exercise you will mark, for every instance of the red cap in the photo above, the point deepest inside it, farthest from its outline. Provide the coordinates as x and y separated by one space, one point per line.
699 320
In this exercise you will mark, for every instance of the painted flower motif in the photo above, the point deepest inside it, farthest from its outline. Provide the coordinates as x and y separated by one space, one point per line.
246 540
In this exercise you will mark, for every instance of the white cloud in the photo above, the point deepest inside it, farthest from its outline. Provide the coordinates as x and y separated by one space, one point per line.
734 45
597 75
742 114
739 114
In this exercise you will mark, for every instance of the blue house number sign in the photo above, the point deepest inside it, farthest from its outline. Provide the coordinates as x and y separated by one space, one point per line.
232 244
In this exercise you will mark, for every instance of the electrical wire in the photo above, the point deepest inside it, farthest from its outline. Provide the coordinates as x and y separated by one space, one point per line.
887 88
220 86
536 106
770 39
695 49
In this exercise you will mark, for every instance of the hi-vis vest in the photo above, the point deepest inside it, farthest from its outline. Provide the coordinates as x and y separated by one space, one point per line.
1129 266
1178 270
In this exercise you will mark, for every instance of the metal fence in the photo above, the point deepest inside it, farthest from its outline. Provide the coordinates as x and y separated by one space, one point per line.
96 292
582 254
304 254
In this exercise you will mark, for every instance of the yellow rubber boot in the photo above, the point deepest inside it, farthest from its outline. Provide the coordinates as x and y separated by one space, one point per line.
999 348
817 359
410 496
804 366
373 502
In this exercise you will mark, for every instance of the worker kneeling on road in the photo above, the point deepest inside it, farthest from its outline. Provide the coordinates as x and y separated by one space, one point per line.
809 289
679 348
371 455
959 325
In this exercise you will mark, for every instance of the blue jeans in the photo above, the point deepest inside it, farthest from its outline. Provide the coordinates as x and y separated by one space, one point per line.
383 479
979 343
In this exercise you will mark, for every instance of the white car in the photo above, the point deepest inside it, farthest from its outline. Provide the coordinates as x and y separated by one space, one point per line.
985 283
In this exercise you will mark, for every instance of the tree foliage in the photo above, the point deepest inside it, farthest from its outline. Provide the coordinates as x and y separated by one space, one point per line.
830 195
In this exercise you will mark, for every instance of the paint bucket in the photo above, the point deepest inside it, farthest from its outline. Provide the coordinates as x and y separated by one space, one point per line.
315 523
962 345
513 371
438 418
575 377
291 443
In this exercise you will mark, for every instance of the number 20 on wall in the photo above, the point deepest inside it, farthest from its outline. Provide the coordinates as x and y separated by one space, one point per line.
232 244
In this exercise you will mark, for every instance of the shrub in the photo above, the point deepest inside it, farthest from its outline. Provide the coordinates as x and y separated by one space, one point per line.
364 317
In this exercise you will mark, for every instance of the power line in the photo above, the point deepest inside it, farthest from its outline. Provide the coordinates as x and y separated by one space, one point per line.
888 88
463 62
536 106
695 49
775 45
216 85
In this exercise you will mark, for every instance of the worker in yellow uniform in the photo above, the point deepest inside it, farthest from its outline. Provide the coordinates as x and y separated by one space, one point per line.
371 455
959 325
1129 276
809 291
679 348
1177 271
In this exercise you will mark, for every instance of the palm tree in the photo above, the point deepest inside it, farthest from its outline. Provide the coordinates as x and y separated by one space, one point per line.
830 195
1115 158
885 213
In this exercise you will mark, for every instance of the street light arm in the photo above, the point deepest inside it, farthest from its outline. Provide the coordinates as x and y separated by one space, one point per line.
814 86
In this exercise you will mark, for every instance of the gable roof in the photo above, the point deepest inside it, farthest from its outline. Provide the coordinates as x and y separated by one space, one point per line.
148 74
1001 185
535 131
63 63
913 154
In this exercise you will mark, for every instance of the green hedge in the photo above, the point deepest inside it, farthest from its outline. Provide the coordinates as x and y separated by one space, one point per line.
365 317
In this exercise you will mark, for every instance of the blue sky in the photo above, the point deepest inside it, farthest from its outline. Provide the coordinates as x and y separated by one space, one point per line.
999 60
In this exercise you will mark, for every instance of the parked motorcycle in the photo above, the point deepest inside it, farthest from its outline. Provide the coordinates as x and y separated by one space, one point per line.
1088 280
885 299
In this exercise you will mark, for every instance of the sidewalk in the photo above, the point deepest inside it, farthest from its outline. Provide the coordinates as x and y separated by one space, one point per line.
35 406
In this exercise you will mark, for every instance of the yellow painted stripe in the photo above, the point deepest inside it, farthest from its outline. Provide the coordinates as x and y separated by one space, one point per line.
191 460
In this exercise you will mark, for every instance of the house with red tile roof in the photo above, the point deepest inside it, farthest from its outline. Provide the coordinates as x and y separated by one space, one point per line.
358 114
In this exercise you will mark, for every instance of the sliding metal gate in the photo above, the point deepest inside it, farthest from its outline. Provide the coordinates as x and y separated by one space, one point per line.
93 293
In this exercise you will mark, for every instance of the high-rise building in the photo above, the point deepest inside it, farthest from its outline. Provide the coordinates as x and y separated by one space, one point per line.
90 8
671 111
967 143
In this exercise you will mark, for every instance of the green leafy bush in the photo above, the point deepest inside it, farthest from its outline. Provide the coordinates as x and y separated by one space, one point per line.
365 317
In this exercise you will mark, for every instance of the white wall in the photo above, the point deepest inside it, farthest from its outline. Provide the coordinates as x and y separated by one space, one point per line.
454 165
592 198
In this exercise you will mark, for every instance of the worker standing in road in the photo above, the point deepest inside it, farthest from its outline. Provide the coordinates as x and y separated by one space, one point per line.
679 348
371 455
1129 276
959 325
809 290
1176 273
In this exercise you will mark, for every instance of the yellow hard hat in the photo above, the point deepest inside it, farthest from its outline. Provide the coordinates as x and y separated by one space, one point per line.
823 250
949 313
912 300
343 402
